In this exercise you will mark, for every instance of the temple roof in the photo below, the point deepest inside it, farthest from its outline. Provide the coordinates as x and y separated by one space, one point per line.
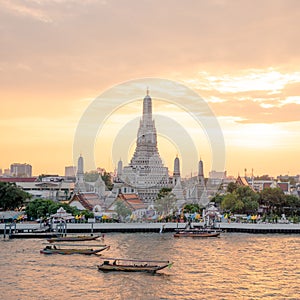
87 200
132 201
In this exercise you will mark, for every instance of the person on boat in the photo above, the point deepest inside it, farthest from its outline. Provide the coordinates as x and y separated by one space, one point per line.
189 225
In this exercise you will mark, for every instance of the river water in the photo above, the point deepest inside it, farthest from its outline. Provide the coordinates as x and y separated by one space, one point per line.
234 266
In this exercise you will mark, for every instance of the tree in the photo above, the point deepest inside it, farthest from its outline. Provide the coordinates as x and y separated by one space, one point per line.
163 192
263 177
218 199
231 203
166 204
192 208
249 198
11 196
232 186
41 208
242 200
91 176
122 210
291 205
106 177
273 198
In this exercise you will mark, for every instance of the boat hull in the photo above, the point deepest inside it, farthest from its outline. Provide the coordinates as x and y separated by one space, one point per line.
72 239
197 234
129 268
72 251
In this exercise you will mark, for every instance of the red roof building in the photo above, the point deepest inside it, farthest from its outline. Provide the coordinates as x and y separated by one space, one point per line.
89 201
133 202
18 179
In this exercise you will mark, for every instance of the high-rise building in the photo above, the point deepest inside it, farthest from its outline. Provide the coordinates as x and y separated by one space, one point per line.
70 171
20 170
146 171
6 172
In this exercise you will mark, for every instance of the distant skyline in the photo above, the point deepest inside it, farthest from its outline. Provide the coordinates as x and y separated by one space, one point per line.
241 57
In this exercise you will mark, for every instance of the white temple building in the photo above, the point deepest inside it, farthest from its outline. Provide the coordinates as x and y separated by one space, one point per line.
146 171
145 175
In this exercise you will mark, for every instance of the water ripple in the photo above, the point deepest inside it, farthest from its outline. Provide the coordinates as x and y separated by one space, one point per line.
235 266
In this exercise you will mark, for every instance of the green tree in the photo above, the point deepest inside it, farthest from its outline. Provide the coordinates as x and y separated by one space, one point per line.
41 208
122 210
249 198
106 177
163 192
38 208
192 208
291 205
231 187
231 203
218 199
273 198
11 196
242 200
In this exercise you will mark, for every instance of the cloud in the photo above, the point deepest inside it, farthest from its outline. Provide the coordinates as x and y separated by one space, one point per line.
241 56
270 81
291 100
256 95
30 9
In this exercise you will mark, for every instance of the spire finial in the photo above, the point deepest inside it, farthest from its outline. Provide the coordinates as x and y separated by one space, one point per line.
147 90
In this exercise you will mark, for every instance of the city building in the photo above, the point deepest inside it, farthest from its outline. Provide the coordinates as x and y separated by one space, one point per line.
53 188
20 170
6 172
70 171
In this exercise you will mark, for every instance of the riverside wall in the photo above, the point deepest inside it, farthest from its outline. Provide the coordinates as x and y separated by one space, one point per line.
32 230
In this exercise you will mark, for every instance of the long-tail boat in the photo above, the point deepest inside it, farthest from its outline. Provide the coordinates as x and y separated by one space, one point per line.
74 238
197 233
132 265
53 249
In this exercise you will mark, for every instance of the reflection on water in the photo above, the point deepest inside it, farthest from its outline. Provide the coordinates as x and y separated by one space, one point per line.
234 266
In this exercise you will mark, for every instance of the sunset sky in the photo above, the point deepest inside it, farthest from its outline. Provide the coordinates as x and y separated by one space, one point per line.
241 57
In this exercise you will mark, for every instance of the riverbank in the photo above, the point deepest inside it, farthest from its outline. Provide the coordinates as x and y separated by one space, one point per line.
34 230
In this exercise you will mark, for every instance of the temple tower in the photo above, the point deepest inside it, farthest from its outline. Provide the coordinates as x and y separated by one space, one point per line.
145 171
79 184
201 173
176 173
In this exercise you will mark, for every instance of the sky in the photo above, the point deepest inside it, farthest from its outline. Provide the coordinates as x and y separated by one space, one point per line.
241 57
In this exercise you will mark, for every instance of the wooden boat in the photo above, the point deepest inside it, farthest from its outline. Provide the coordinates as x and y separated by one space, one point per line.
197 233
132 265
73 238
52 249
